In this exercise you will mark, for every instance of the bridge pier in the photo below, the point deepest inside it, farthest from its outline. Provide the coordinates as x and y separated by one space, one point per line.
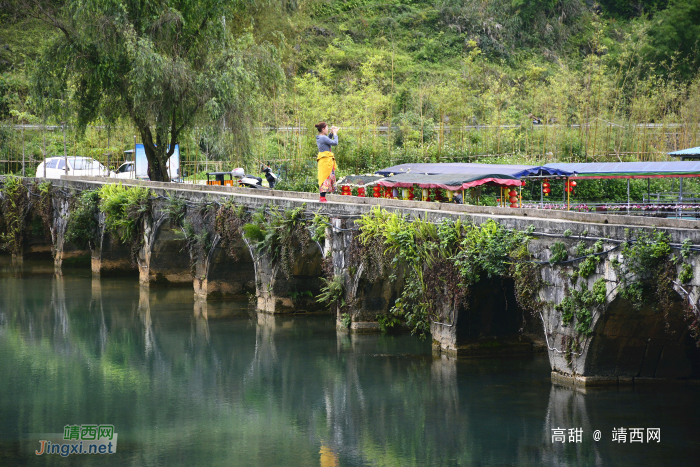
369 293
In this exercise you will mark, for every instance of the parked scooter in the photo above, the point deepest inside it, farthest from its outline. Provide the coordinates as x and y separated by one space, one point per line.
251 181
269 176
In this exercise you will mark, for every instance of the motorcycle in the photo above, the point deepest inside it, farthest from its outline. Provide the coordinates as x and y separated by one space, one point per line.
251 181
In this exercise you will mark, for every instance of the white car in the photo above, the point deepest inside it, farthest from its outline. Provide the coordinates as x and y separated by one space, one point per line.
77 167
126 170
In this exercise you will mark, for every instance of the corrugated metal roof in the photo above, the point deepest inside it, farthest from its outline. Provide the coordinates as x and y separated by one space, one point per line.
467 168
690 152
630 169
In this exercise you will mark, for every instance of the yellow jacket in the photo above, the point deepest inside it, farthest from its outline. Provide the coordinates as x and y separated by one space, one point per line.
326 164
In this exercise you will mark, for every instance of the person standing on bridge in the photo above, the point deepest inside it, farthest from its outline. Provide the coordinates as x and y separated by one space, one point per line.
326 159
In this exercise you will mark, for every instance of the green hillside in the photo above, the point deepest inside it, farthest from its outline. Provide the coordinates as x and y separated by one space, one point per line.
512 80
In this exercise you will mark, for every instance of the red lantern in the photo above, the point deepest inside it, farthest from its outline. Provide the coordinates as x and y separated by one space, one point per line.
572 183
512 193
546 191
376 189
361 192
513 199
513 205
345 190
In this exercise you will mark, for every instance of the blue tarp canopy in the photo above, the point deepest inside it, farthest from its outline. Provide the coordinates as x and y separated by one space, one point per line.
629 169
690 152
422 173
457 168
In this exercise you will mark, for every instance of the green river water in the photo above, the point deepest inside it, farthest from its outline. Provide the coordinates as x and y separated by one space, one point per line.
194 384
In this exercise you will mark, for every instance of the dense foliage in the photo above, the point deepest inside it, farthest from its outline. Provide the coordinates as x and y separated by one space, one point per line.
125 209
442 261
279 234
15 211
83 227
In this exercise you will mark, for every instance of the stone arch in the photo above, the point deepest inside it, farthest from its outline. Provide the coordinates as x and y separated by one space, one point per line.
643 342
278 293
65 253
221 276
168 259
112 257
368 293
368 298
488 321
37 242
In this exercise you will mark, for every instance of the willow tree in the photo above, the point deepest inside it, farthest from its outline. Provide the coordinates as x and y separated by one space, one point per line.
165 65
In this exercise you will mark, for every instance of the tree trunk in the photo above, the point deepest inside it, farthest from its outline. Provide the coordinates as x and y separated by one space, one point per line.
157 157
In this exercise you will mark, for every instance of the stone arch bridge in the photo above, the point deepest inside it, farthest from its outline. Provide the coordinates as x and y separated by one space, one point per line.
626 343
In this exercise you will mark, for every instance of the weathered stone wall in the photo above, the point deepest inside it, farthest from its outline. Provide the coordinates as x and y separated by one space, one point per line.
628 341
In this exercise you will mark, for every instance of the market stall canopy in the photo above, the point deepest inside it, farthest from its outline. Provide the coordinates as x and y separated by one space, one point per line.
453 182
690 153
463 168
629 169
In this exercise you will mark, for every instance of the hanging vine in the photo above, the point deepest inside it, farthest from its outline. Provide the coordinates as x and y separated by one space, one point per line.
367 246
15 206
279 234
199 233
230 220
44 206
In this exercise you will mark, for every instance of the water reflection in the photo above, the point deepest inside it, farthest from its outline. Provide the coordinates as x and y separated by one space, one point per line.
567 410
190 382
